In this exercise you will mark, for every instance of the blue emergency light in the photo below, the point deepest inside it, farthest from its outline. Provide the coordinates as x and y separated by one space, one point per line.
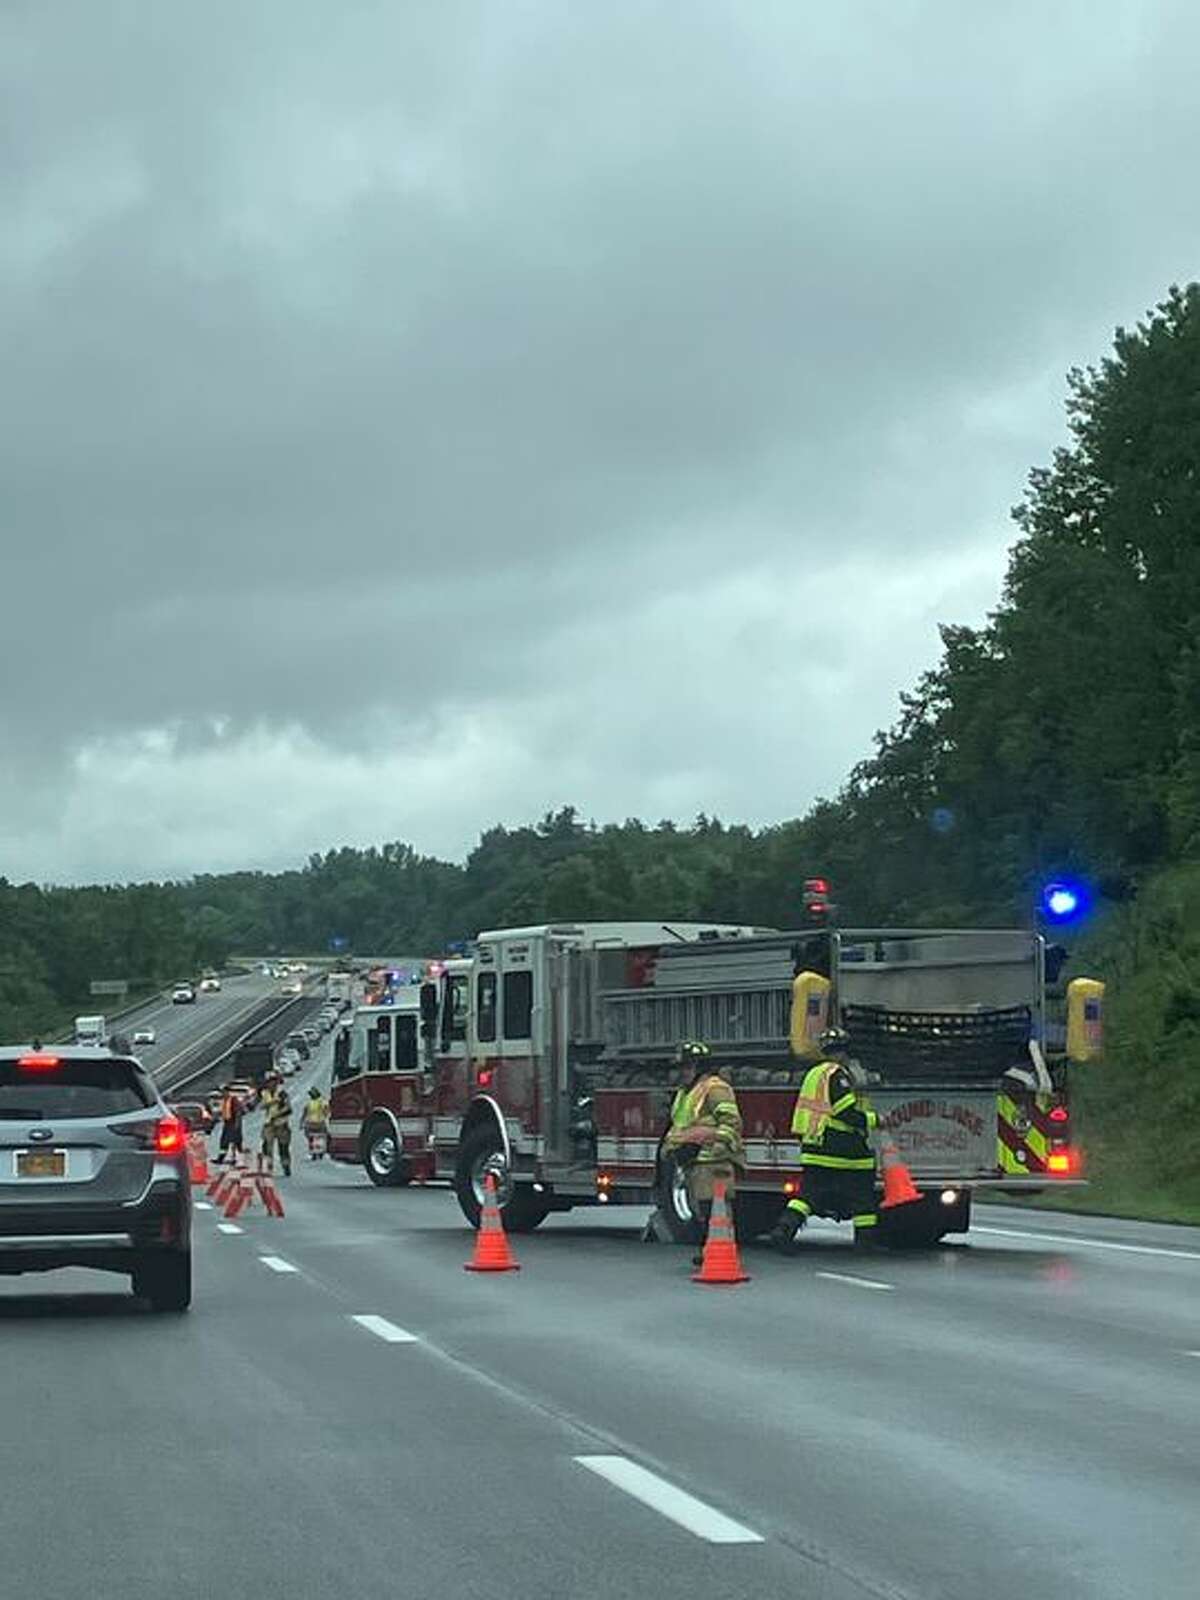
1064 901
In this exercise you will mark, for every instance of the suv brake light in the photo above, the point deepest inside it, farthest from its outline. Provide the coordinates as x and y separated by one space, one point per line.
39 1063
170 1136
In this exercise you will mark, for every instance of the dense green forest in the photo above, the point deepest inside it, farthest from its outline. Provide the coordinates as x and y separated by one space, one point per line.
1062 737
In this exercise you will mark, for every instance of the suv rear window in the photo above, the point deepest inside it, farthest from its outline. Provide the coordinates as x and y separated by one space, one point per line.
73 1089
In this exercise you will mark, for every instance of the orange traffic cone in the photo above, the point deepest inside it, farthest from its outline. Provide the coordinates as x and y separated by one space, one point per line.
198 1158
492 1253
721 1263
268 1191
898 1187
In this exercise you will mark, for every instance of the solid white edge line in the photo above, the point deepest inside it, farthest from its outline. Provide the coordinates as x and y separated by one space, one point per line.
859 1283
228 1227
202 1205
663 1497
1092 1244
385 1330
278 1264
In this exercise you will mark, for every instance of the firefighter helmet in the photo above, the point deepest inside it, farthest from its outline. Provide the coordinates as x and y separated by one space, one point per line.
692 1053
835 1042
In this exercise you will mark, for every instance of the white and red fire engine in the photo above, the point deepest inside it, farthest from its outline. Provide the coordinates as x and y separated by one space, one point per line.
547 1058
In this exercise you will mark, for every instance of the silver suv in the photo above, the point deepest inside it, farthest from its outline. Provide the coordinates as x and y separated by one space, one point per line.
93 1171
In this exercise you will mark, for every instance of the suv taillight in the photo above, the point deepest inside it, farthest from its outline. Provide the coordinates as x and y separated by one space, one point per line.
170 1136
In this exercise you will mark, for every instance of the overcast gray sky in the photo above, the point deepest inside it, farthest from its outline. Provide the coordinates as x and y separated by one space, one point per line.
418 416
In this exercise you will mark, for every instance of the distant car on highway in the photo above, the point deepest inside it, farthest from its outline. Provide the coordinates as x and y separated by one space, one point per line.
288 1062
194 1112
144 1036
293 986
297 1042
93 1171
210 984
313 1035
213 1101
183 994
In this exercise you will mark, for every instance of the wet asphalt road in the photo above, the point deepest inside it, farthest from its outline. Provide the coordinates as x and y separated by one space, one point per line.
1017 1414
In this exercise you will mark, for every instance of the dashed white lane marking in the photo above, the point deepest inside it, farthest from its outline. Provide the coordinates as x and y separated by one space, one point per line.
278 1264
202 1205
1195 1353
383 1329
668 1501
1092 1244
228 1227
859 1283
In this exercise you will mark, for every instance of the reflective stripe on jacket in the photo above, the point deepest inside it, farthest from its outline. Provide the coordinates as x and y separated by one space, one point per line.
712 1102
834 1135
279 1115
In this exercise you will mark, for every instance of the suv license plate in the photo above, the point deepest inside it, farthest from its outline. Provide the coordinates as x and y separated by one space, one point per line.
41 1163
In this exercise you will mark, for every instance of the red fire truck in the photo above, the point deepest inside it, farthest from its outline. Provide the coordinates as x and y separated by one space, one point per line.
547 1059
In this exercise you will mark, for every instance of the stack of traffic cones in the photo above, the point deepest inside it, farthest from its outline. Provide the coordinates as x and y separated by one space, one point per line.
898 1187
268 1192
492 1253
224 1183
721 1262
242 1196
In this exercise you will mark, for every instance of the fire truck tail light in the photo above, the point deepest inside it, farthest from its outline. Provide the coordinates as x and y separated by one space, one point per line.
790 1187
1061 1161
1059 1113
484 1077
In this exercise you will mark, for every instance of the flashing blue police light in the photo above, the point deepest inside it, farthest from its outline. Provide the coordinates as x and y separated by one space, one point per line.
1063 901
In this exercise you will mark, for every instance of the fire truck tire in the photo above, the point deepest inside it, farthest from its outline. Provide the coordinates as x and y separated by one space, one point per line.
522 1212
756 1214
381 1156
921 1225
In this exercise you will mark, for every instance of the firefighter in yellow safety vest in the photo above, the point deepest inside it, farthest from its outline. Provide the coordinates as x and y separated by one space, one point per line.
705 1135
837 1163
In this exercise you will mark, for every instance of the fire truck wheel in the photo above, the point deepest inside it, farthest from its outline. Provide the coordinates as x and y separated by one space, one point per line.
919 1226
381 1155
756 1214
521 1210
675 1203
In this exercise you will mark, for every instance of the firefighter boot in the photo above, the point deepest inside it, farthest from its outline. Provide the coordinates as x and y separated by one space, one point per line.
785 1235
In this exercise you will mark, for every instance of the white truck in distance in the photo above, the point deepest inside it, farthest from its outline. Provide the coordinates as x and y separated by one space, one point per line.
91 1030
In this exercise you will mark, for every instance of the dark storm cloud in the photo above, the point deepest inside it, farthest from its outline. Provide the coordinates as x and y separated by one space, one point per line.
460 408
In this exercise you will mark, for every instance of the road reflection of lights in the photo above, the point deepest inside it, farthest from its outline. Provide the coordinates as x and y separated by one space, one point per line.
1057 1272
